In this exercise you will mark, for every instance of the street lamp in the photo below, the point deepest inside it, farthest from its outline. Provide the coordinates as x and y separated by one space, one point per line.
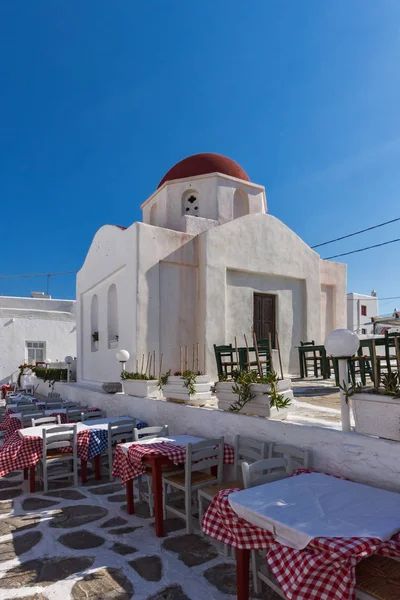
342 344
68 360
122 356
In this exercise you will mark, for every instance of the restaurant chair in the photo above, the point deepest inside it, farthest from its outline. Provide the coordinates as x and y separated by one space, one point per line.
53 396
145 480
24 408
301 459
26 418
74 415
259 473
246 449
200 456
46 421
59 450
93 414
119 432
316 361
53 405
266 471
378 578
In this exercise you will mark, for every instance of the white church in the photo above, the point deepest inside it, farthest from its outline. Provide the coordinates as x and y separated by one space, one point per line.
207 263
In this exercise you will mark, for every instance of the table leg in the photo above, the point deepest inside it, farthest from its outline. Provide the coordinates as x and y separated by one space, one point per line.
158 497
129 497
83 470
301 364
243 574
26 471
97 465
32 483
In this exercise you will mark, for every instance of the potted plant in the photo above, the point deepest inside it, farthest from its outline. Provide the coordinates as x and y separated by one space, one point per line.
95 338
246 392
140 384
377 410
188 387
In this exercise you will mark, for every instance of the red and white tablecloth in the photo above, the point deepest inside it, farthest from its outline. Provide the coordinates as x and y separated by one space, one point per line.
128 465
324 570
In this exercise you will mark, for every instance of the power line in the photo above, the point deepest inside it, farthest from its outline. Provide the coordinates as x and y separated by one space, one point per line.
356 233
362 249
37 274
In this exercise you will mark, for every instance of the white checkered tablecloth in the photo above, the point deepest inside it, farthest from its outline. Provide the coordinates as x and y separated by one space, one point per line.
128 465
325 570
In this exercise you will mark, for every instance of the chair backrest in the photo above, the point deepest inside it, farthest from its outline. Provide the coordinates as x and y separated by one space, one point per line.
248 450
312 343
63 436
23 408
121 431
74 415
204 455
46 421
93 414
301 459
50 405
26 418
150 432
266 470
52 396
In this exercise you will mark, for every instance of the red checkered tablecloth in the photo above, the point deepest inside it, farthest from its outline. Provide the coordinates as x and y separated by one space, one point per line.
325 570
14 423
128 465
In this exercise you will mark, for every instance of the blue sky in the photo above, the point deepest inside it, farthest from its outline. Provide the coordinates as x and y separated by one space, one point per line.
99 99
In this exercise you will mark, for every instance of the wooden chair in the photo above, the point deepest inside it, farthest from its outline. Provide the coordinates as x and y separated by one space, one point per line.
54 440
300 459
26 418
224 357
378 578
145 481
200 456
316 360
266 470
119 432
53 405
246 449
53 397
46 421
74 415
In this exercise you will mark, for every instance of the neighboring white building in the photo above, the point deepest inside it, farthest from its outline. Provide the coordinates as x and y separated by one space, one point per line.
34 330
361 308
207 264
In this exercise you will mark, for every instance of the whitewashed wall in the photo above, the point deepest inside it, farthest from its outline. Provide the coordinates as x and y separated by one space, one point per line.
34 320
358 457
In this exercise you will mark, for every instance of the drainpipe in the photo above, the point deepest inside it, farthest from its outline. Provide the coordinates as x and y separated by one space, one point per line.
358 316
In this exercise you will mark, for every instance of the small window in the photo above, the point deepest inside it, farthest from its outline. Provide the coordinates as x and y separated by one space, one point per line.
363 331
190 203
35 352
363 310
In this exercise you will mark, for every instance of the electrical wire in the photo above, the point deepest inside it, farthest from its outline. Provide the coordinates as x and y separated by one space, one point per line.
37 275
356 233
362 249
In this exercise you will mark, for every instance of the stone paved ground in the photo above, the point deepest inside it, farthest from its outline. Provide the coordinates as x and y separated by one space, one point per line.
77 544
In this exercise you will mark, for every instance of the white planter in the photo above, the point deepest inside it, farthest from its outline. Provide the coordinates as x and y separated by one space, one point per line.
113 344
141 387
96 345
175 389
377 415
260 404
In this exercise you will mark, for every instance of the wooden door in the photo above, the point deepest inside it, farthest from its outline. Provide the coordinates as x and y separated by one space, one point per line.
264 316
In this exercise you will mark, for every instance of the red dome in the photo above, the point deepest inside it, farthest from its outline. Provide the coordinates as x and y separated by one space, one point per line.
201 164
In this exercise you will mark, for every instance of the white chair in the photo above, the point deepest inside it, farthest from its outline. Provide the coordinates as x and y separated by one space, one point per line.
26 418
145 480
378 578
74 415
53 397
53 405
55 439
119 432
246 449
200 456
301 459
46 421
258 473
94 414
24 408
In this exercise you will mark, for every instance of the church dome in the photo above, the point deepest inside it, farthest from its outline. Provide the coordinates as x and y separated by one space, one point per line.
202 164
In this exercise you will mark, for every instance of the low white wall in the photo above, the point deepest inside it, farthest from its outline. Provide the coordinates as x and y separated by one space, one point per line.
358 457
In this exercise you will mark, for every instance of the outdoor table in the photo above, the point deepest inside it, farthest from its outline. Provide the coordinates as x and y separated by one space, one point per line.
315 527
12 420
132 458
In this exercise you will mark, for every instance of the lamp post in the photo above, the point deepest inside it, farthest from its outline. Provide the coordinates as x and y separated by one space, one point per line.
122 356
68 360
342 344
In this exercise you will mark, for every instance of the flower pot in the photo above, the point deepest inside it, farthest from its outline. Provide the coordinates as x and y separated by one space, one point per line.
96 345
260 404
376 414
175 390
142 388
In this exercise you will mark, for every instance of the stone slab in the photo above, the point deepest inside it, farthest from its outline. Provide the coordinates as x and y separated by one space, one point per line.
116 522
148 567
33 503
192 549
44 571
81 540
75 516
123 549
19 544
104 584
17 524
67 495
172 592
10 493
103 490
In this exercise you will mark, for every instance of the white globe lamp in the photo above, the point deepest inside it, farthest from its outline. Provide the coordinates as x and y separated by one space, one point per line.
123 356
342 344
